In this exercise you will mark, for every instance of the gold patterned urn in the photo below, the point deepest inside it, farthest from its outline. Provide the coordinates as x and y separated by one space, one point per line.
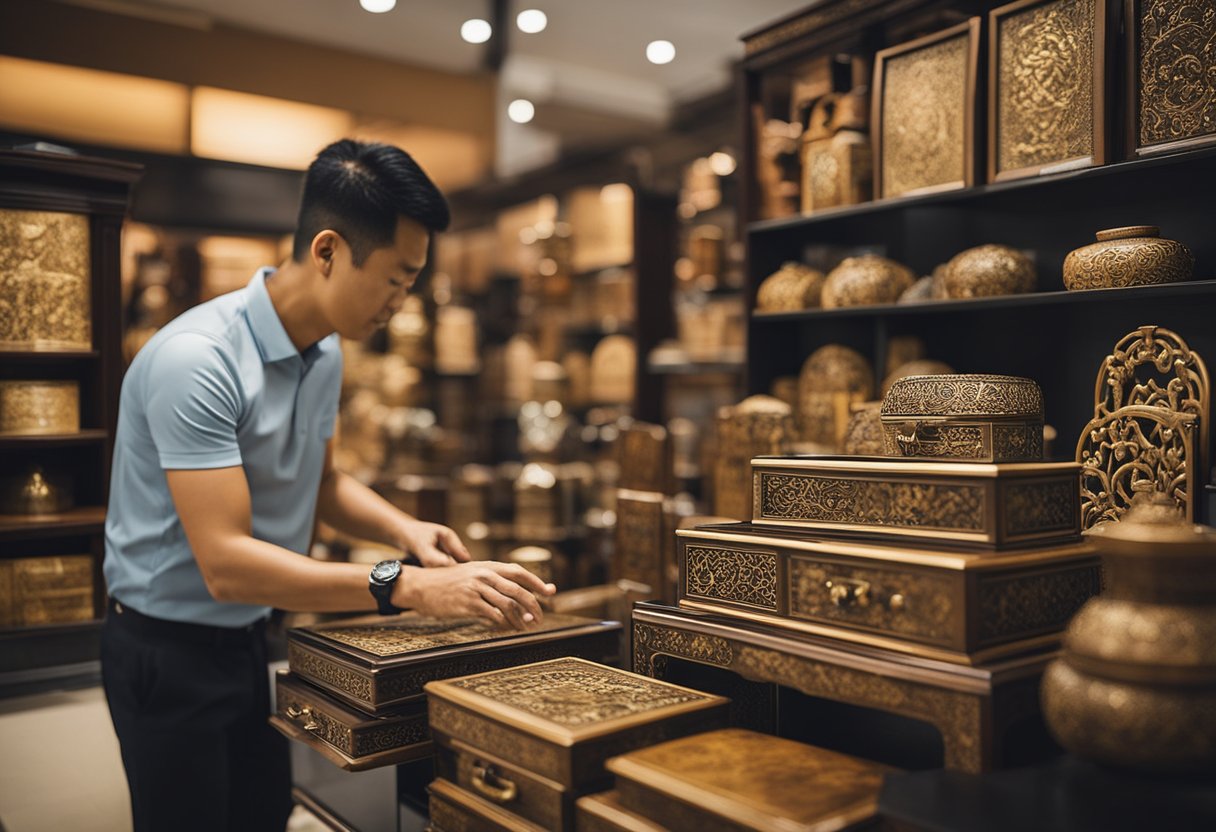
1131 256
866 280
988 271
790 288
1136 684
832 380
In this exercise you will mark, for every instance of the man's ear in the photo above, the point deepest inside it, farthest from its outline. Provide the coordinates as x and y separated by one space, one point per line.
324 247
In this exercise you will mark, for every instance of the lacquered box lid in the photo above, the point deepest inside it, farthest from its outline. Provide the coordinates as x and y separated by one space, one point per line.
751 780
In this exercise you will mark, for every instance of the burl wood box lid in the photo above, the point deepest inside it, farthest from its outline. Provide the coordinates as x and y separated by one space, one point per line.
561 719
378 663
992 505
741 780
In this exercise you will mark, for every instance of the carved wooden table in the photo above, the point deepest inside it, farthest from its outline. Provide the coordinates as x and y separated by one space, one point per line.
972 707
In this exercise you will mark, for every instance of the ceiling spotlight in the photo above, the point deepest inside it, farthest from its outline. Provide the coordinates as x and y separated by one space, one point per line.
378 6
476 30
660 52
520 111
531 21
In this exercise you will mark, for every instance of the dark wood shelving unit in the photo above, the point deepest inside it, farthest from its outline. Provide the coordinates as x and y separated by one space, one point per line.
1057 337
100 189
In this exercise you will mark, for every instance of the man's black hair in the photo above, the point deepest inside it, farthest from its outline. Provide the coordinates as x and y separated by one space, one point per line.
359 189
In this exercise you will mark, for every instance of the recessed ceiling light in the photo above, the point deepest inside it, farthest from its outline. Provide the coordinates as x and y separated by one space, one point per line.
520 111
378 6
531 21
476 30
660 52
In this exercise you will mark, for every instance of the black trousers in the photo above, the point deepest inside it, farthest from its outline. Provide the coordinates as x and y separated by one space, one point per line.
190 707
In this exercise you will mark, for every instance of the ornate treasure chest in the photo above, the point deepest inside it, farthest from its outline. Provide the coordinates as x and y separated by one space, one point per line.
957 606
531 740
735 780
976 418
977 504
355 687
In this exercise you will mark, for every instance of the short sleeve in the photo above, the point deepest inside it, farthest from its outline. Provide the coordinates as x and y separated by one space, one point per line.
194 403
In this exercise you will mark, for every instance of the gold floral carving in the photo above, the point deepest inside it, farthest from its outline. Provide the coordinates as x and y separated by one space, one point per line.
1018 441
990 442
525 751
964 395
1012 606
925 611
44 281
1046 85
805 24
871 502
923 122
1150 424
39 407
575 694
650 642
959 716
1176 42
311 666
325 728
411 634
1037 507
399 735
741 576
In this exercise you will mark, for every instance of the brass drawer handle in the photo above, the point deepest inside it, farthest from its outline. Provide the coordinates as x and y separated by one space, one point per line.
302 713
846 593
488 783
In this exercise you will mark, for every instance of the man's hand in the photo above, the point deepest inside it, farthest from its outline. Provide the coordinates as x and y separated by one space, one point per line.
501 593
431 543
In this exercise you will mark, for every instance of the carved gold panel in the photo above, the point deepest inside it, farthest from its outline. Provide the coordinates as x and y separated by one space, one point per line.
45 281
924 112
1173 50
739 576
1047 87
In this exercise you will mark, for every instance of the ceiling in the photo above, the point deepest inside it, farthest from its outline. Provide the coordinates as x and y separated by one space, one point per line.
587 67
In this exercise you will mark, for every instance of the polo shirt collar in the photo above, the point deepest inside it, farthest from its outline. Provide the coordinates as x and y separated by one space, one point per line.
268 332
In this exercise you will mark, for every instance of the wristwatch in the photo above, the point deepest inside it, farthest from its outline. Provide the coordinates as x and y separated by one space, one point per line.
380 582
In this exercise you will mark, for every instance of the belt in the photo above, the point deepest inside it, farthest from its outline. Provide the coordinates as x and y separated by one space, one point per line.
204 634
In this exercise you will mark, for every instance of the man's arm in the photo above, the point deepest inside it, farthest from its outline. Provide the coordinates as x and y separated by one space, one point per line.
351 507
214 507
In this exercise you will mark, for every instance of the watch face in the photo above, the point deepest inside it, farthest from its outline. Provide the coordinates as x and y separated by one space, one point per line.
386 570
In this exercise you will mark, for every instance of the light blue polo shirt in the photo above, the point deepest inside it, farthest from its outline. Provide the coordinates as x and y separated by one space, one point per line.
220 385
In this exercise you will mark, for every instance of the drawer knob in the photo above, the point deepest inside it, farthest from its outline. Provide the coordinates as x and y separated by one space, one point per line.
847 593
303 713
489 783
896 601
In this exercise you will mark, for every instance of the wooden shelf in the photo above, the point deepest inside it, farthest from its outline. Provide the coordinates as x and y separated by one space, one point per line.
979 192
697 368
51 440
85 520
48 356
1205 289
44 630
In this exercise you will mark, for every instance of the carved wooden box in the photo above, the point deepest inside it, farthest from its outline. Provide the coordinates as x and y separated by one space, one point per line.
533 739
346 736
972 418
604 812
379 663
962 607
736 780
975 504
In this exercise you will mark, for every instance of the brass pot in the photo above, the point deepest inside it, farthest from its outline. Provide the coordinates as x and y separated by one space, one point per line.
866 280
1131 256
863 434
1136 685
832 379
988 271
790 288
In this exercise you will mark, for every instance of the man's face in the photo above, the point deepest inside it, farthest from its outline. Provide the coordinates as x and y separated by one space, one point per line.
363 298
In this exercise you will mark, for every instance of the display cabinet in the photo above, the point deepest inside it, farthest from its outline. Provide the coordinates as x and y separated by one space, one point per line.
61 367
1058 338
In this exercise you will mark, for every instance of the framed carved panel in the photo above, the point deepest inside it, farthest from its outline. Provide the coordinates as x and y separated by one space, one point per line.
925 113
1047 87
1171 75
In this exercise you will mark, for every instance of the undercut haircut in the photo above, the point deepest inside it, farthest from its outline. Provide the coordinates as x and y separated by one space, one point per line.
359 189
